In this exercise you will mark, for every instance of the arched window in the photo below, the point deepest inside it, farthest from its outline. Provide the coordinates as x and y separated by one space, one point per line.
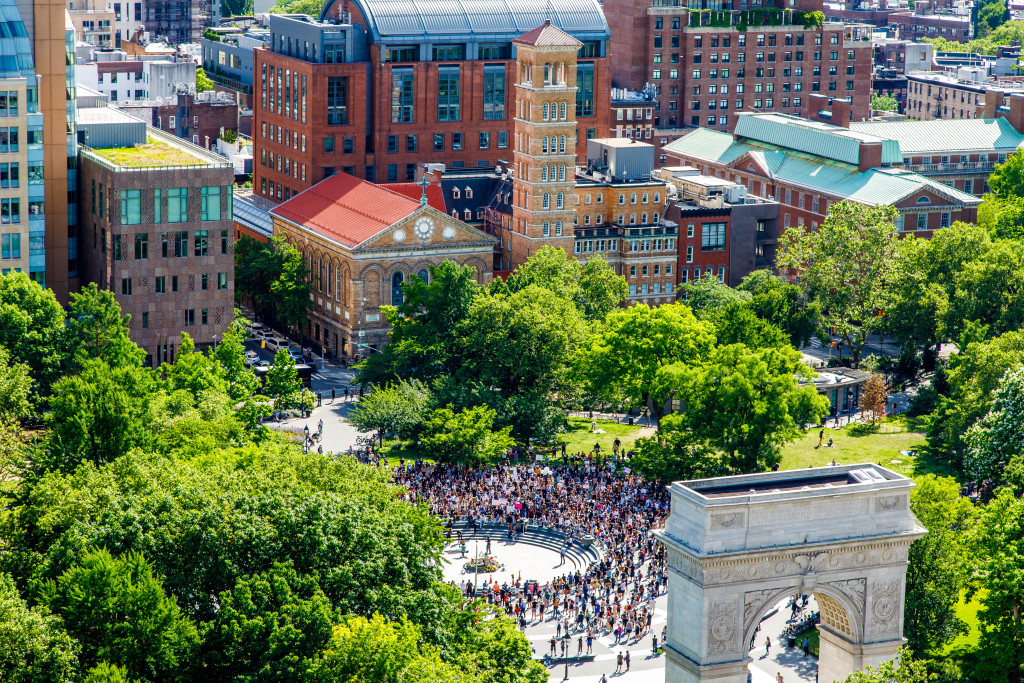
645 270
563 111
330 281
547 110
586 219
558 228
560 201
622 199
644 219
644 198
396 288
632 198
547 229
657 198
632 219
561 145
923 200
543 174
546 201
544 145
561 172
424 275
547 73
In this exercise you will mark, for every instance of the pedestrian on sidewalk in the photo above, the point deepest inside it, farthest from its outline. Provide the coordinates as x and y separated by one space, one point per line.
579 646
627 660
618 663
654 645
333 393
767 646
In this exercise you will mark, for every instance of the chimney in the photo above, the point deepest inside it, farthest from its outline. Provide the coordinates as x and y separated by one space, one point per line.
992 100
1016 117
819 104
869 156
842 111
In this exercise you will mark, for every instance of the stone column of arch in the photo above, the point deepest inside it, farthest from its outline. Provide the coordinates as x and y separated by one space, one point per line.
738 545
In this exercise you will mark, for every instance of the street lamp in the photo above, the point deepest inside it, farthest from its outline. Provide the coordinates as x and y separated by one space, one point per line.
565 653
215 342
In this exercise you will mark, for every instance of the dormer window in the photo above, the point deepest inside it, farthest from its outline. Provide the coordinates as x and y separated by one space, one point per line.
455 193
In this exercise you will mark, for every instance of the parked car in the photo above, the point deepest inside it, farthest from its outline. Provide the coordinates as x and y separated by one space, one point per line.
260 363
296 356
275 343
251 358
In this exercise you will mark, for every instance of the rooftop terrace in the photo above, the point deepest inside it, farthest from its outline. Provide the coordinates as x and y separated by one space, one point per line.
153 154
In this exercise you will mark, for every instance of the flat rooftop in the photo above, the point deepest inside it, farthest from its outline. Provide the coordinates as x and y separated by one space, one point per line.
791 481
153 154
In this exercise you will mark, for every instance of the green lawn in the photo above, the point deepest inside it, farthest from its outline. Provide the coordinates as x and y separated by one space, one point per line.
579 438
812 636
859 443
969 613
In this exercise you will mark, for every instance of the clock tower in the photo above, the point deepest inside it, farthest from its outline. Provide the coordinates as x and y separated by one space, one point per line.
544 159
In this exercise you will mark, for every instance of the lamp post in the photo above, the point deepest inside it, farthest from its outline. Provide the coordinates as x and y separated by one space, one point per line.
215 342
565 653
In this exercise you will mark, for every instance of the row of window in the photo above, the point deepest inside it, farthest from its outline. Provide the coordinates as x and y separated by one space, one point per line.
911 222
645 271
596 246
160 284
171 244
654 288
280 89
457 52
10 246
709 272
175 198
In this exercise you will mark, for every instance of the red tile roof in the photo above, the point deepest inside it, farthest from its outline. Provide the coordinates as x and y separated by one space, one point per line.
346 209
547 35
435 197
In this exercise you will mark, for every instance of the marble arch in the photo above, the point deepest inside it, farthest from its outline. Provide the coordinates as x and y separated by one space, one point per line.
737 545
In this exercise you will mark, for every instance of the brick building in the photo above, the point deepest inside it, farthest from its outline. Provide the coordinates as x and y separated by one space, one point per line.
708 66
156 230
807 165
724 232
362 242
200 119
372 90
967 93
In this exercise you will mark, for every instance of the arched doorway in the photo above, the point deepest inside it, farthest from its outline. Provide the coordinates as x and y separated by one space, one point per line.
737 545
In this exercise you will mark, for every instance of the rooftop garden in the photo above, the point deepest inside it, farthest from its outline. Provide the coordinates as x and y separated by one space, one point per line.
153 153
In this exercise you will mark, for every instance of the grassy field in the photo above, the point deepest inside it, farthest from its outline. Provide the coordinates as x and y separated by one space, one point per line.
863 443
812 636
578 437
969 613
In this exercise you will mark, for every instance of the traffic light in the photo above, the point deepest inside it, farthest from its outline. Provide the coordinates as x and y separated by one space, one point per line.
263 343
345 347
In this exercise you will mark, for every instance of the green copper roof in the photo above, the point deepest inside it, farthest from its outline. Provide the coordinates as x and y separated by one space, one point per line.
815 137
877 186
946 136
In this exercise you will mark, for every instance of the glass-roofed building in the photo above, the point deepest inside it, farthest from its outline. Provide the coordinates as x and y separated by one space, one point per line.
22 223
373 87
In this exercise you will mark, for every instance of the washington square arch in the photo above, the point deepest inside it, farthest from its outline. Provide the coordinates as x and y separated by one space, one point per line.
738 545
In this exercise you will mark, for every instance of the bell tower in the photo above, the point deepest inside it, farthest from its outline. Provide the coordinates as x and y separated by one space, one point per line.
544 159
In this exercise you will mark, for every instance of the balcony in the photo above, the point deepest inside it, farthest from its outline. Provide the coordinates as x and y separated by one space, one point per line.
953 168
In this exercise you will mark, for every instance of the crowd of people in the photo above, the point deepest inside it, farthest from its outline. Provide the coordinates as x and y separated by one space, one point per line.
619 511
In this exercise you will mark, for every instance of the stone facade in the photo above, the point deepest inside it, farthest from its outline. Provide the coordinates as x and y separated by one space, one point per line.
350 284
738 545
165 294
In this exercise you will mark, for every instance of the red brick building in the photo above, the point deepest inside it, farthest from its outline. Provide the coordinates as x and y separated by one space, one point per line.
372 91
708 66
808 165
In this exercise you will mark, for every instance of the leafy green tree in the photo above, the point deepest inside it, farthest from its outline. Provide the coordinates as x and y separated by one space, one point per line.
100 414
117 609
998 565
782 304
749 403
270 626
394 410
107 673
848 264
194 372
33 646
973 378
990 289
937 573
1007 178
256 268
497 652
283 383
96 329
1002 218
15 388
465 436
376 651
903 669
427 329
310 7
32 329
707 296
230 353
738 324
997 437
883 102
593 287
203 82
292 287
625 359
675 453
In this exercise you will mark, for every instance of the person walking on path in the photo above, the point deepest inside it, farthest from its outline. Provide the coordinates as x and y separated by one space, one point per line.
767 646
590 643
333 394
627 660
618 664
821 436
654 645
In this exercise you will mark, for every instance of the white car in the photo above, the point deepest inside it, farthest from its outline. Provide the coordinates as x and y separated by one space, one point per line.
276 343
251 358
